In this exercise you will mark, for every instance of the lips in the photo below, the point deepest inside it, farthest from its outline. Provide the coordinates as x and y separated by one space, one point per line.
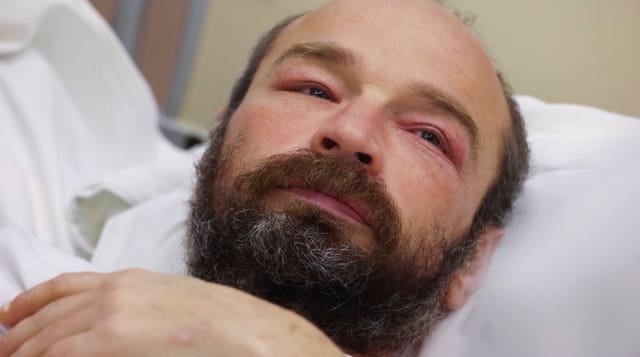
337 206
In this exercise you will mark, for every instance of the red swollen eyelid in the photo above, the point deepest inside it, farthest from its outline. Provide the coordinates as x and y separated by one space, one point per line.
448 146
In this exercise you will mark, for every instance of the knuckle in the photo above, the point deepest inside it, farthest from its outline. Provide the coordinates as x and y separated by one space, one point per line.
114 326
66 283
131 273
114 301
62 283
122 278
135 271
116 282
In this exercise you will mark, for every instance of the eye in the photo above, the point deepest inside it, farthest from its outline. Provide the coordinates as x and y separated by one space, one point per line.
316 92
429 137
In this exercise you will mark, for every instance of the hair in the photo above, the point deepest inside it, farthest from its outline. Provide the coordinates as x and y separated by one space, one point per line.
497 203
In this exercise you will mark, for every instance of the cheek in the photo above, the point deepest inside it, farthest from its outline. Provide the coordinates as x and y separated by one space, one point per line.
259 131
427 199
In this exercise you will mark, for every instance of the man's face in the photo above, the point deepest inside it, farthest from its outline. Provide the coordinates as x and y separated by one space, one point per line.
355 163
386 84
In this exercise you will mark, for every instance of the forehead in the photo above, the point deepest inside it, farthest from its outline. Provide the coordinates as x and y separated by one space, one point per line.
404 41
418 37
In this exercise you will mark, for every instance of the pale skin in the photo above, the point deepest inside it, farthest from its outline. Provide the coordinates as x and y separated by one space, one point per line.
403 57
140 313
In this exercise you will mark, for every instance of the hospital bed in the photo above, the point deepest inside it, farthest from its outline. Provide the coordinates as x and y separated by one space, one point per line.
77 118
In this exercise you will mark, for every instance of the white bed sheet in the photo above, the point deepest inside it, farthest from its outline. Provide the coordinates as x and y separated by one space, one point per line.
73 108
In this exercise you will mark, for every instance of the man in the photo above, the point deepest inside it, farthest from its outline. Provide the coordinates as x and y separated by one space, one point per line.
361 176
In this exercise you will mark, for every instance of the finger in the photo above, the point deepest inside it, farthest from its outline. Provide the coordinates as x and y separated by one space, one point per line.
4 311
34 299
91 344
83 344
47 317
77 322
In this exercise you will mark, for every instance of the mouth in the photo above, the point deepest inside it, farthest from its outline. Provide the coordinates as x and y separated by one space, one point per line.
337 206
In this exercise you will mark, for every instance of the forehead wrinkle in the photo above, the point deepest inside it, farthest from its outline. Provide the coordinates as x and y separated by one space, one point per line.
437 98
326 52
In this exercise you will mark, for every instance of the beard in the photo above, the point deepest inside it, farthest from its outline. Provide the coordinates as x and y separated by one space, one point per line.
373 301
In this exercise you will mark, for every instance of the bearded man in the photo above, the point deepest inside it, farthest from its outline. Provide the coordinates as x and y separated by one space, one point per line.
361 175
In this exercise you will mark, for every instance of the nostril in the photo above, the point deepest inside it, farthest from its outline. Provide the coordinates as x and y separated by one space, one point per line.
364 158
328 143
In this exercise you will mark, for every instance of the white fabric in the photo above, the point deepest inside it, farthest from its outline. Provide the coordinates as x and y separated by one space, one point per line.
72 109
570 288
146 236
93 206
563 281
26 261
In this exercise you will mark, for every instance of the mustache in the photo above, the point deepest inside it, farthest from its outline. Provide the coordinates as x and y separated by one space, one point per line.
333 176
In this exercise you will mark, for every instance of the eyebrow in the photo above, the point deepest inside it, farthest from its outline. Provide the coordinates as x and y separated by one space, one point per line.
326 52
333 54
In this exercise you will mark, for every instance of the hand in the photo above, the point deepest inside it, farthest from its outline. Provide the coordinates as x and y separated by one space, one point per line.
140 313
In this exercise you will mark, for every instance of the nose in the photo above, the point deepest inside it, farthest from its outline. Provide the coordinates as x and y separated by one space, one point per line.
353 134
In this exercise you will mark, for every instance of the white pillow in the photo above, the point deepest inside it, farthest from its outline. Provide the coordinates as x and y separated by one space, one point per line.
564 280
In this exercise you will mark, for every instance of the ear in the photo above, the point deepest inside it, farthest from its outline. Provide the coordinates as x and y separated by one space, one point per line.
467 280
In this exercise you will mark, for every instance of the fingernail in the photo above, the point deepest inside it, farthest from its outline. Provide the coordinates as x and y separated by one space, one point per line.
6 306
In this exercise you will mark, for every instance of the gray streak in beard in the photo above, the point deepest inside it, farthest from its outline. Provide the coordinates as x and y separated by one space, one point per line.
376 302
